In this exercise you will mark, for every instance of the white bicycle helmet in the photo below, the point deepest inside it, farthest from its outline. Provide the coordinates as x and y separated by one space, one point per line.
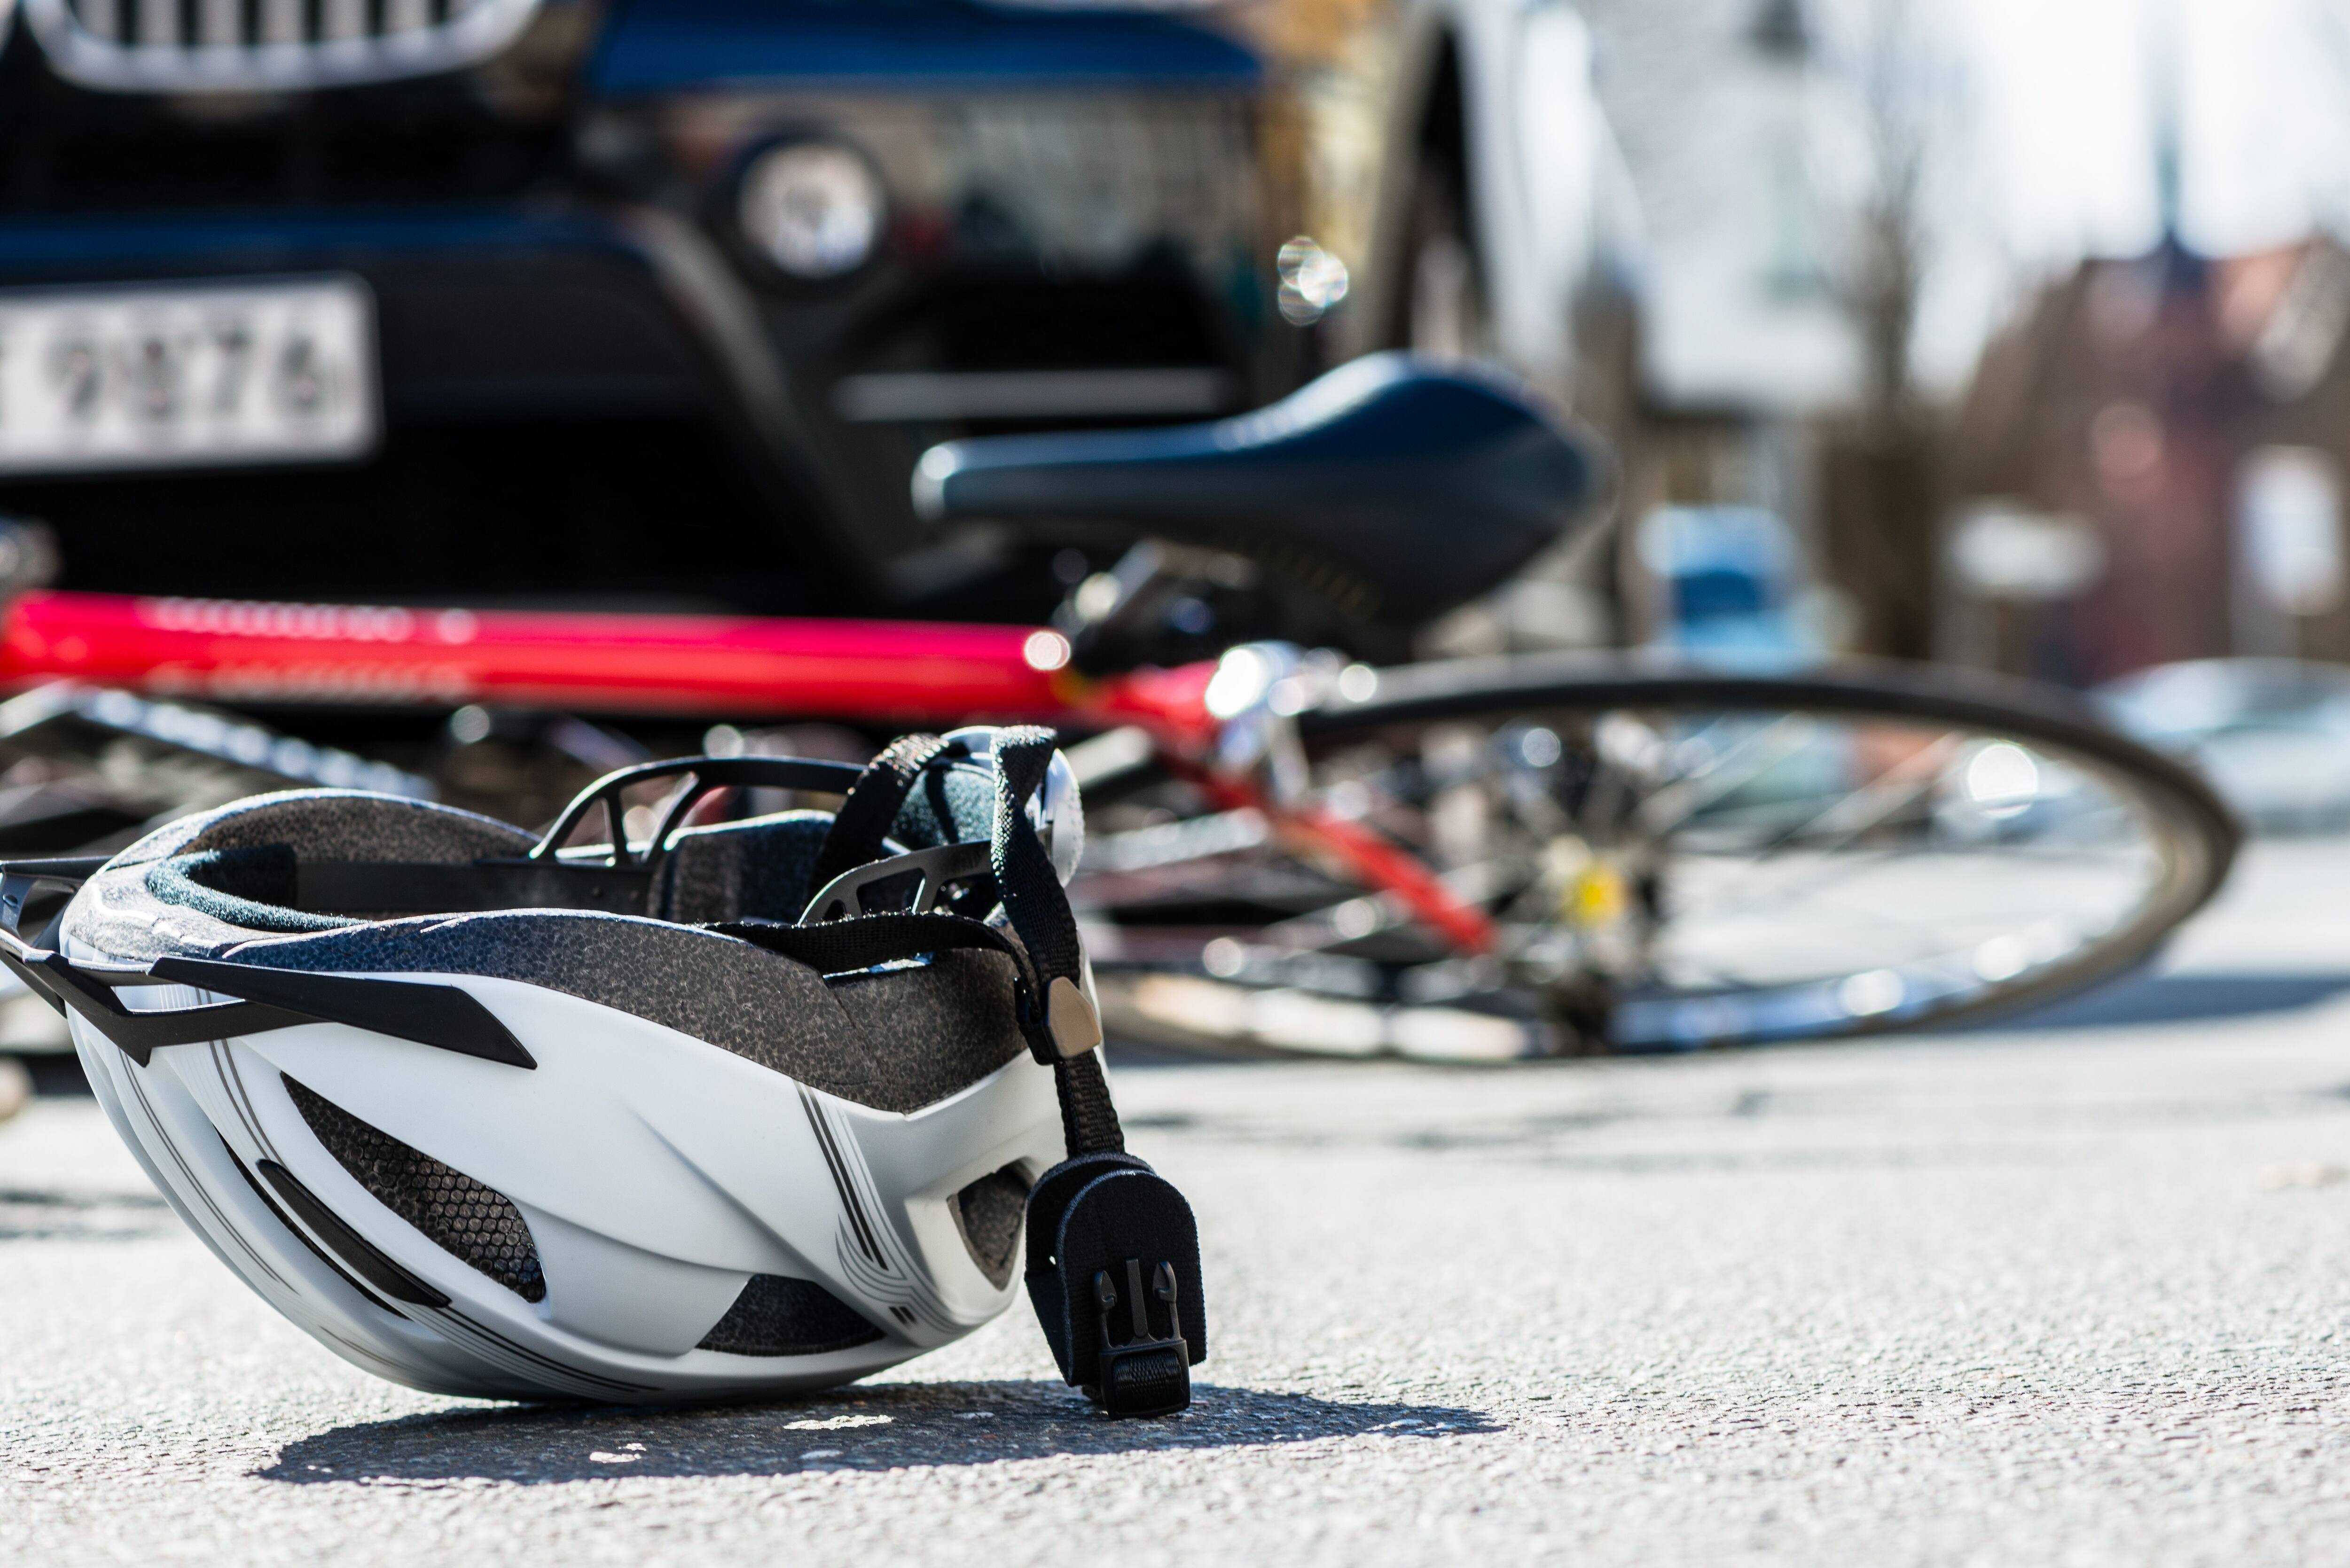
748 1107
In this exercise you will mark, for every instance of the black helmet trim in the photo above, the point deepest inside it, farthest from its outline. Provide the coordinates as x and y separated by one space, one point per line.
442 1016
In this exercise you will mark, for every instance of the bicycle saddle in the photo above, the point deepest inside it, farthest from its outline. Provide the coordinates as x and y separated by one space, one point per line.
1408 486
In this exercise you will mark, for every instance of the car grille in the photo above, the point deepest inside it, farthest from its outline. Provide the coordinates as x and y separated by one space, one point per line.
260 46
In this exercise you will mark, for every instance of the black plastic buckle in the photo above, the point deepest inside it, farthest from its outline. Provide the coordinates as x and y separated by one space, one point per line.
1145 1376
1107 1232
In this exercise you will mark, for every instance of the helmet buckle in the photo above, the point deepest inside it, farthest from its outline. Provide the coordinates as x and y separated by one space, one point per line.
1149 1374
1113 1272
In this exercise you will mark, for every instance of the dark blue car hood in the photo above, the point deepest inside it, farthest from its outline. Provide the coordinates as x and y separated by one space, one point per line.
652 46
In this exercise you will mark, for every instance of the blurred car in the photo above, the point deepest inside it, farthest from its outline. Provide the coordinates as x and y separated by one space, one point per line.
655 302
2271 734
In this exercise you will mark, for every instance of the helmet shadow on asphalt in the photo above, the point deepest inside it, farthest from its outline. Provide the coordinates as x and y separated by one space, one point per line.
879 1426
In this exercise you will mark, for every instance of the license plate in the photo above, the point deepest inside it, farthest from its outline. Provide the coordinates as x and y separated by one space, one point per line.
95 379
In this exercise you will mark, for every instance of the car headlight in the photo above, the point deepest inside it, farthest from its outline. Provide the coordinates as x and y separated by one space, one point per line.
816 209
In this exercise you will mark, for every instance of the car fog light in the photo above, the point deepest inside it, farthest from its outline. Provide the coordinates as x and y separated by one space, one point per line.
815 209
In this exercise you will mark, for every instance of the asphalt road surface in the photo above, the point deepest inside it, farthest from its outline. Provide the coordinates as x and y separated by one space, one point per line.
2072 1294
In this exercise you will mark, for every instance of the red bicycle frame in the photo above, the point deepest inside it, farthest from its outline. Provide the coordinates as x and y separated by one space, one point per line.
687 665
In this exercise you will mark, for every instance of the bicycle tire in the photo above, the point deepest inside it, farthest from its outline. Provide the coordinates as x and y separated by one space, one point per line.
2192 837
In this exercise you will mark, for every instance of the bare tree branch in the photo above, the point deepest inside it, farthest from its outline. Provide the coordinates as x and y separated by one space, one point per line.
1899 100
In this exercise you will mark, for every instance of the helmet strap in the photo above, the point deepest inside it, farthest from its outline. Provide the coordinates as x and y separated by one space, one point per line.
874 800
1113 1249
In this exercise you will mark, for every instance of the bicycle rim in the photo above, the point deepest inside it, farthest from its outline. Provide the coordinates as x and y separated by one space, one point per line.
1674 857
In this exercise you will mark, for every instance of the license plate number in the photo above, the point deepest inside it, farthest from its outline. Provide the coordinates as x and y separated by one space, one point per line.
93 379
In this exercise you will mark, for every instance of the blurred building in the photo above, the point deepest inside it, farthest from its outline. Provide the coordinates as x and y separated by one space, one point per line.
1726 116
2148 468
1740 131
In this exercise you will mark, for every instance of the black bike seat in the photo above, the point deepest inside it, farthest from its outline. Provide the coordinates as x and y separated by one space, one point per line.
1415 485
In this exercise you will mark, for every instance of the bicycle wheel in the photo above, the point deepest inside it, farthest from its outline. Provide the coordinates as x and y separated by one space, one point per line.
1673 858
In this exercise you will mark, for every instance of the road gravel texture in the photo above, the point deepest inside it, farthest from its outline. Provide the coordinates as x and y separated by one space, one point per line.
2075 1296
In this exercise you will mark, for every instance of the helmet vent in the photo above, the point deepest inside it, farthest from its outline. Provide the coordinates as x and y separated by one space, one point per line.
990 1212
778 1316
455 1212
